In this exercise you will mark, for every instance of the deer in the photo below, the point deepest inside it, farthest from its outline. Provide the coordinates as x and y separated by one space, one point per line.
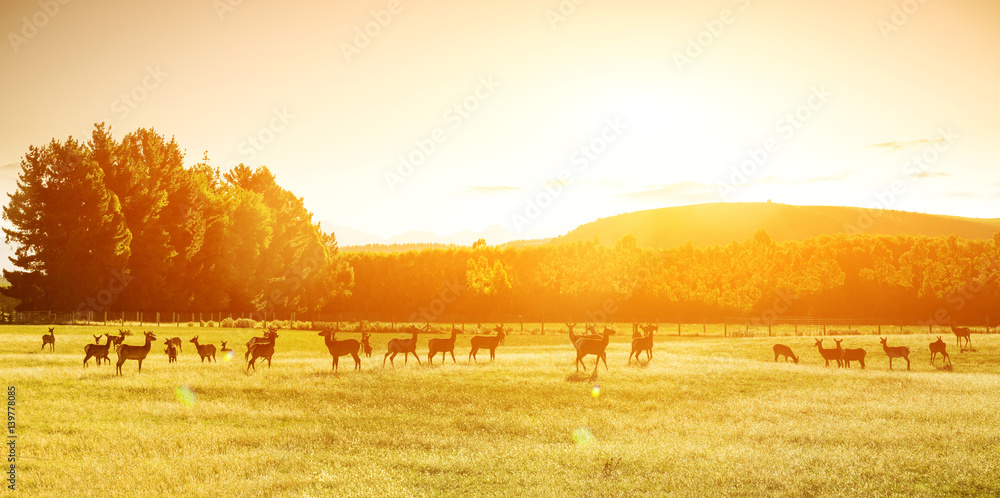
782 350
138 353
341 348
595 347
939 346
405 346
117 340
442 346
487 342
262 350
171 351
366 344
204 350
97 351
573 337
830 354
271 332
850 355
635 333
176 341
49 339
649 328
640 344
224 349
962 333
896 352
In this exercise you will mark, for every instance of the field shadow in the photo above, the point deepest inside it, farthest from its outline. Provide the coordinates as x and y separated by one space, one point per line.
581 377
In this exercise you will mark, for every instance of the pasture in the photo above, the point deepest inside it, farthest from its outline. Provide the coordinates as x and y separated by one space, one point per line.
707 416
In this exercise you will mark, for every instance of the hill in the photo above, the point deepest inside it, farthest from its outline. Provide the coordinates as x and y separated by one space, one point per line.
721 223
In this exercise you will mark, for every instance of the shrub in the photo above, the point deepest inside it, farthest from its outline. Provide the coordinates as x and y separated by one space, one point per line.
244 323
227 322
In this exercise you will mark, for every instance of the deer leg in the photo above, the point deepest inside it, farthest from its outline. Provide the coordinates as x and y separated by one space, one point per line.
357 361
907 358
452 357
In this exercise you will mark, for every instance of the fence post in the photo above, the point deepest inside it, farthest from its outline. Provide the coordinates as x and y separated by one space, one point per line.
678 328
824 328
769 329
725 329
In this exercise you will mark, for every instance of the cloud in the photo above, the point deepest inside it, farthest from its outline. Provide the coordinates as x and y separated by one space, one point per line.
899 144
676 191
491 189
929 174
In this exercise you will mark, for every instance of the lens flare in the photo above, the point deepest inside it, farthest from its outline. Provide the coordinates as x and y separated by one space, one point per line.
229 355
185 395
595 392
583 437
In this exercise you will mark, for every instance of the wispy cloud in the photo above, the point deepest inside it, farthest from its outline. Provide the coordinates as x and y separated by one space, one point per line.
838 177
689 191
490 189
899 144
930 174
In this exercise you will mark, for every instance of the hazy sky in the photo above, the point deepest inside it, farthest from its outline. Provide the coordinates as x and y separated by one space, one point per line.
821 102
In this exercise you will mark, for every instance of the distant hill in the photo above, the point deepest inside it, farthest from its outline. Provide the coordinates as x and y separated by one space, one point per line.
349 237
721 223
420 247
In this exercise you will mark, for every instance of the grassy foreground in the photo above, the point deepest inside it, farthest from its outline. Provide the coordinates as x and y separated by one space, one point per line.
706 416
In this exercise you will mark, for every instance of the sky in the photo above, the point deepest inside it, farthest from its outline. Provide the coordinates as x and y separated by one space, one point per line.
441 116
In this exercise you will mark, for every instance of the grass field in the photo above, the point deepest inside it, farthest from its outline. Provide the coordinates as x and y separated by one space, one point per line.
706 416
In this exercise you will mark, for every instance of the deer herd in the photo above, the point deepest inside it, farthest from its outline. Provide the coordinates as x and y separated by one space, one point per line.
591 343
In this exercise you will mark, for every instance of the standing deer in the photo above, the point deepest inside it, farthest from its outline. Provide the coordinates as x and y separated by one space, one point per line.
641 344
487 342
635 332
830 354
117 340
782 350
595 347
405 346
962 333
341 348
573 337
97 351
262 350
138 353
171 351
49 339
366 344
896 352
940 347
268 336
176 341
204 350
442 346
857 355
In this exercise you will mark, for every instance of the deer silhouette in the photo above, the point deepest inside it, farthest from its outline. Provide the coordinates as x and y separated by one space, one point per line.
176 341
204 350
830 354
594 347
487 342
896 352
962 333
138 353
640 344
171 351
341 348
366 344
405 346
939 346
857 355
442 346
782 350
268 337
49 339
224 349
97 351
262 350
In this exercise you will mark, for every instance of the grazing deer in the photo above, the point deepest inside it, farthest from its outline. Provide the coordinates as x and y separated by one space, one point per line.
405 346
487 342
366 344
442 346
341 348
595 347
97 351
138 353
644 343
176 341
262 350
204 350
960 333
782 350
49 339
830 354
171 351
940 347
896 352
271 332
857 355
